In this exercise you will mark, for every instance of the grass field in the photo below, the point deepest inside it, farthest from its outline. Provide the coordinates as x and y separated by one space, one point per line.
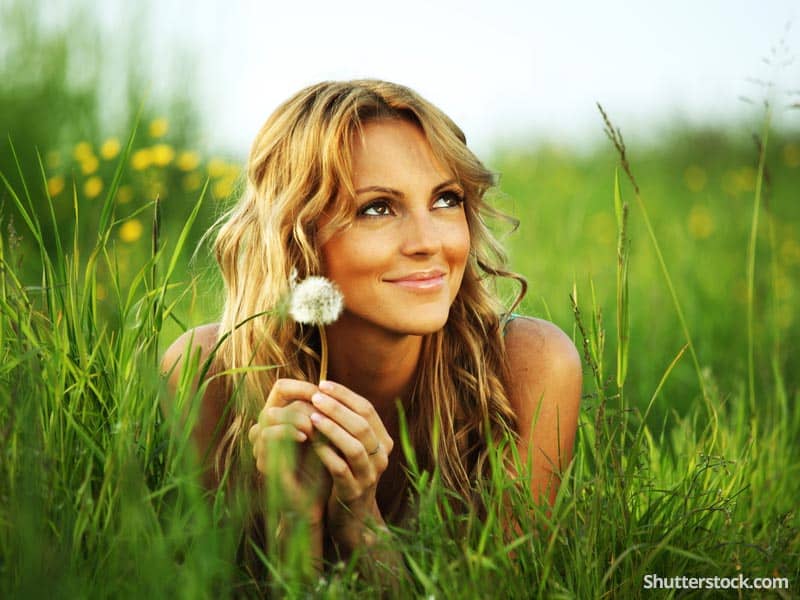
687 460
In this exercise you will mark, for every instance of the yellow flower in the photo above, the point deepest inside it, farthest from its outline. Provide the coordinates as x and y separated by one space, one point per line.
82 150
695 178
791 155
162 154
124 194
192 181
89 164
93 187
158 127
55 185
53 159
700 222
790 252
217 167
141 159
110 148
188 161
222 189
131 230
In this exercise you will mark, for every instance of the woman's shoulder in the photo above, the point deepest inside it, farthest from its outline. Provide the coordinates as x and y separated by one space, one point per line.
200 339
540 355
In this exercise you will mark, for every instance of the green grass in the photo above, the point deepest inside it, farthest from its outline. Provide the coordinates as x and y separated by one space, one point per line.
678 290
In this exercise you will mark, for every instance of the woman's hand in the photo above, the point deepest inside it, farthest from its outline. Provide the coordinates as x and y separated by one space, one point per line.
356 455
284 422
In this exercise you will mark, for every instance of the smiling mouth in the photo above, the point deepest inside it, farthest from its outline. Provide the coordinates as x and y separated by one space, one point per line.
429 283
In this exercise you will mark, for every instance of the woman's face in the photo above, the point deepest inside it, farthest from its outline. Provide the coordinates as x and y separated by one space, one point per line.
401 262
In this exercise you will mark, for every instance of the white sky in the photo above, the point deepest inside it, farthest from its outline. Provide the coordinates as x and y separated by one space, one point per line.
504 71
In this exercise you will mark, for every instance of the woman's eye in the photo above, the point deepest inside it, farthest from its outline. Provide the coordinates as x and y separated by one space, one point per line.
380 208
448 200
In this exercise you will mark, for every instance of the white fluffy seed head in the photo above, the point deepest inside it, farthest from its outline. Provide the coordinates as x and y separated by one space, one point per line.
316 301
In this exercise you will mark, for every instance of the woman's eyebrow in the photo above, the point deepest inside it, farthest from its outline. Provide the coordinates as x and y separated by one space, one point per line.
387 190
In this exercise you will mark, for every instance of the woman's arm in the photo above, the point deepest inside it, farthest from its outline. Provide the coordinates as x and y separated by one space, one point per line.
197 345
545 392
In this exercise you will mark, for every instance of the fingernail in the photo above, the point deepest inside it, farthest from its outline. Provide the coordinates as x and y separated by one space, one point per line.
326 386
316 417
317 398
302 437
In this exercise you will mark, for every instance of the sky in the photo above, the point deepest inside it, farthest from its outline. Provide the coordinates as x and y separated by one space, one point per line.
507 71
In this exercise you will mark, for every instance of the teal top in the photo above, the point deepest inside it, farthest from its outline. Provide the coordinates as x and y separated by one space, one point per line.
507 319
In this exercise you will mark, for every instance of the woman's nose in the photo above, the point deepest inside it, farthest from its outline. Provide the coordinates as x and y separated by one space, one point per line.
421 235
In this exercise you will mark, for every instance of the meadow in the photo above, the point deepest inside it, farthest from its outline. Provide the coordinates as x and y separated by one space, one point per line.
681 297
673 262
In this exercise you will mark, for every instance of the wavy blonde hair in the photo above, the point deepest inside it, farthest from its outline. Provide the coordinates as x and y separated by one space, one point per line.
299 162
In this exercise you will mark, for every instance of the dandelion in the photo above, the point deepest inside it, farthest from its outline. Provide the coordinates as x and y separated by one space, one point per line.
93 187
192 181
162 154
217 167
89 164
141 159
188 161
131 231
791 155
222 189
110 148
158 127
316 301
700 222
124 194
695 178
82 150
55 185
53 159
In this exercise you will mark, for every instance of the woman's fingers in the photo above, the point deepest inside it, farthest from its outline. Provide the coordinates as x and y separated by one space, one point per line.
361 407
355 455
284 391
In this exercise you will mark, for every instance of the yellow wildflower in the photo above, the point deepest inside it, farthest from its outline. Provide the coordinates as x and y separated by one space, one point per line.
89 164
192 181
93 187
791 155
158 127
162 154
131 230
124 194
790 252
700 222
695 178
217 167
188 161
110 148
222 189
82 150
141 159
55 185
53 159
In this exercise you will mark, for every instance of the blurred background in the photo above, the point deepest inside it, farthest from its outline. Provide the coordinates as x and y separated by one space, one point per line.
686 83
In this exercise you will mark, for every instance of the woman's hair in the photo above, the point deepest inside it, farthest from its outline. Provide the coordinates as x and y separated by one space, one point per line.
299 164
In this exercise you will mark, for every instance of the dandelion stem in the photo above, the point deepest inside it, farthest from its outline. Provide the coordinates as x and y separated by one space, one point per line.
323 363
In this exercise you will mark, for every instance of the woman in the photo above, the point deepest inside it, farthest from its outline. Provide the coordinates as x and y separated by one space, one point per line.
373 187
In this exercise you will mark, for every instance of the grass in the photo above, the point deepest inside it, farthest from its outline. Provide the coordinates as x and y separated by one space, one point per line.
686 458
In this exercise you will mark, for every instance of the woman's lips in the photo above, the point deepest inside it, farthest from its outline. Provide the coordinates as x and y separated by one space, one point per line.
431 283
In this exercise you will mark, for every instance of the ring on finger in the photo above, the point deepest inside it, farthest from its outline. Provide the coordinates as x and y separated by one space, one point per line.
374 452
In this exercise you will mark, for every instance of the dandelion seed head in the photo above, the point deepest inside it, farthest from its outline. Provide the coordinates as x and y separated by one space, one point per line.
316 301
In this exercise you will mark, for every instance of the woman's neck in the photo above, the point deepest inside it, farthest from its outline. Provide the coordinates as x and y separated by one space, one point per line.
374 363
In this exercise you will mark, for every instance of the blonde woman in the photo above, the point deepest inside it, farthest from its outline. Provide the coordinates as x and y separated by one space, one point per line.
368 184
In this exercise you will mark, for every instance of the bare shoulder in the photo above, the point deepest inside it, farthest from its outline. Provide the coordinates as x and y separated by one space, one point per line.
539 345
201 339
546 378
546 370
